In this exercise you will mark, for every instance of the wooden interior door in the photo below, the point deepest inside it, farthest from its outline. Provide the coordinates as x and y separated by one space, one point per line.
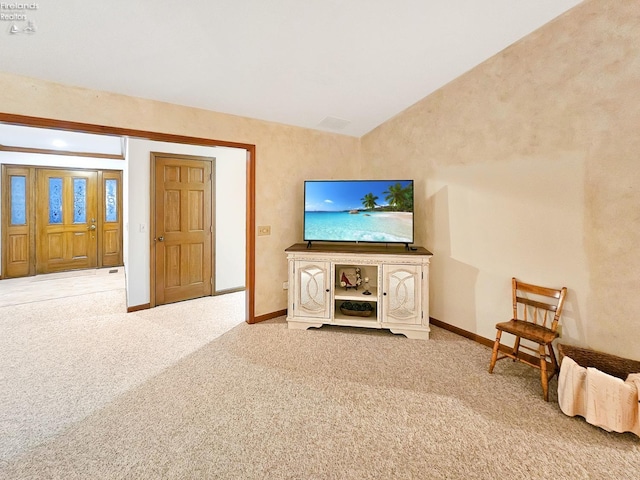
183 228
66 219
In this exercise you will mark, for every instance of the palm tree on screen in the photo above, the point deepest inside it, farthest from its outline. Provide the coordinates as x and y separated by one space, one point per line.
395 195
408 198
369 201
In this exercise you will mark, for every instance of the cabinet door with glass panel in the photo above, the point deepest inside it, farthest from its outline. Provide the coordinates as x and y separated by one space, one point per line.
401 294
312 289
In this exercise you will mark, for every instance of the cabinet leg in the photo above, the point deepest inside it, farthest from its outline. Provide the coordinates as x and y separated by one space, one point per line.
414 334
293 325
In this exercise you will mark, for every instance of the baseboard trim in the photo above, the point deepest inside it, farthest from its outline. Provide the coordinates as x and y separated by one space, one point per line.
463 333
228 290
433 321
137 308
481 340
269 316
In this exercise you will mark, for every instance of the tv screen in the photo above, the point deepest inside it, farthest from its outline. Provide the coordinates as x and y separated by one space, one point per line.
358 211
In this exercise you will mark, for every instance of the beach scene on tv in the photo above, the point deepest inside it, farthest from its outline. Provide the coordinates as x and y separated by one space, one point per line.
359 211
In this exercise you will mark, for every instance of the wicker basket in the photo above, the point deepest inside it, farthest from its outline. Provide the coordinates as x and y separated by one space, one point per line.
610 364
356 309
356 313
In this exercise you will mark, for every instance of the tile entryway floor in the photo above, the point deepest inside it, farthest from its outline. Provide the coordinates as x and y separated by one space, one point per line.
16 291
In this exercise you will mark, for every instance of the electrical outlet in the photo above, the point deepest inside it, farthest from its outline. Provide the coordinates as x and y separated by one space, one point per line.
285 285
264 230
559 330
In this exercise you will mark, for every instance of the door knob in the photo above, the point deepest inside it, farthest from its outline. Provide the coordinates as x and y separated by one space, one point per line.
92 227
161 239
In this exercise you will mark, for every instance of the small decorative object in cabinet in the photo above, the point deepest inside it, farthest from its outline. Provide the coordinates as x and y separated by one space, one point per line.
366 286
350 278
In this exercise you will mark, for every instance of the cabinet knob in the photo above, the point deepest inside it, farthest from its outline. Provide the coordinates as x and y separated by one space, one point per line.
384 293
327 290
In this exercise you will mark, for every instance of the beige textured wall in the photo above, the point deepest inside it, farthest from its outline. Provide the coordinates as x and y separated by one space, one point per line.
545 134
285 157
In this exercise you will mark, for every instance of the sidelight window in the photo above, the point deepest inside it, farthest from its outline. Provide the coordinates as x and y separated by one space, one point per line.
18 200
111 200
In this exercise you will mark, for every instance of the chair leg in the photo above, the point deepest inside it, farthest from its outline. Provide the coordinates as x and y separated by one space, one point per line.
554 362
516 348
494 354
543 372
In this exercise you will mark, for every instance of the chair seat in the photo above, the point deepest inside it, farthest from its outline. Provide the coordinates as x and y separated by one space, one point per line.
530 331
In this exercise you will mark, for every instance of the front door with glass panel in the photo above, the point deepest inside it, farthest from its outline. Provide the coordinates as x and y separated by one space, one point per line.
66 222
56 219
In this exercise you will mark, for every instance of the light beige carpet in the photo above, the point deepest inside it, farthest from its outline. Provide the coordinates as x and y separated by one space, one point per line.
262 401
64 359
17 291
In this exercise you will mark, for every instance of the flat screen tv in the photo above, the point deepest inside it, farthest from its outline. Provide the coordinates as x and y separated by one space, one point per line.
378 211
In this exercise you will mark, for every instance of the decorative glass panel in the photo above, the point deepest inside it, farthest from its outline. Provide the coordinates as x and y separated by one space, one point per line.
312 295
55 200
79 200
111 200
18 200
402 294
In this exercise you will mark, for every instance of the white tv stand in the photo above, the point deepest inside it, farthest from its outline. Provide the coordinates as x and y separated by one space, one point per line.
398 286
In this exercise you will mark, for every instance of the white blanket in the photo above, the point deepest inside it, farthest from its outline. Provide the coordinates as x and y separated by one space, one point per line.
571 388
603 400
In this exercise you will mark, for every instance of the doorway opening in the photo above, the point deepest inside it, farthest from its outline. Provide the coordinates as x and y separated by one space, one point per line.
140 224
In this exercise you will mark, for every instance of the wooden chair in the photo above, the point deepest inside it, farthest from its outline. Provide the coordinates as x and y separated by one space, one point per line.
536 312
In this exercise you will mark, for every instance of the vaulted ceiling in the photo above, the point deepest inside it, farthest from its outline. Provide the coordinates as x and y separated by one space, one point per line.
337 65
